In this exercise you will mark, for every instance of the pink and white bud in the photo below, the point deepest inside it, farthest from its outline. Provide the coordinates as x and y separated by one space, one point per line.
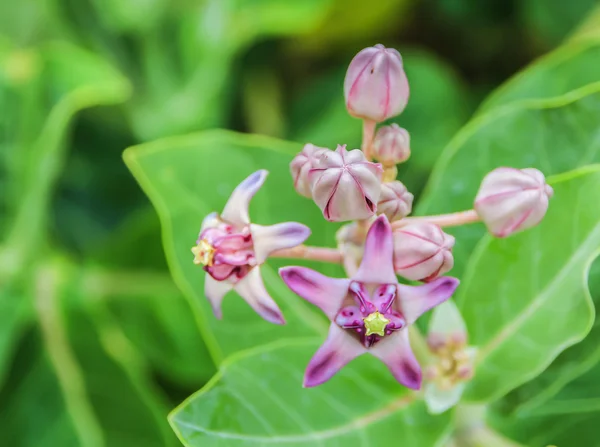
394 201
422 251
345 185
301 164
375 86
391 145
511 200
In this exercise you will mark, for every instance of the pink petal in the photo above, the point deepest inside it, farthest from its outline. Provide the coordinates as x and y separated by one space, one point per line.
252 289
215 291
394 350
267 239
236 208
322 291
377 265
339 348
413 301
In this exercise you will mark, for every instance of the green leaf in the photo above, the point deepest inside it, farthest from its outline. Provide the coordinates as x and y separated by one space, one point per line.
105 385
553 135
257 399
188 177
570 419
525 299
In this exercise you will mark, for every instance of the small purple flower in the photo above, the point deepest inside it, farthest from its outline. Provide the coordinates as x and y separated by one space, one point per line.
345 185
511 200
302 164
375 86
368 313
231 249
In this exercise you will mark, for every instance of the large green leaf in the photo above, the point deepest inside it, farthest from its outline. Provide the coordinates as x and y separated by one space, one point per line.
525 299
257 399
570 419
188 177
104 384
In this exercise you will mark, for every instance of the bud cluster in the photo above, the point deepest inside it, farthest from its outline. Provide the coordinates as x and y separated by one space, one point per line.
370 311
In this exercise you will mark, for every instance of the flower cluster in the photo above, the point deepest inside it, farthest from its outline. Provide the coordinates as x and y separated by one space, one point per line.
370 311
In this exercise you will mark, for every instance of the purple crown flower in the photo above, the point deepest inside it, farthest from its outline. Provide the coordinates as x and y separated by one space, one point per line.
369 312
231 250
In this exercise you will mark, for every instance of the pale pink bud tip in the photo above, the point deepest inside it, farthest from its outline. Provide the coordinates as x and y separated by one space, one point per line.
345 185
511 200
301 164
375 86
391 145
395 201
422 251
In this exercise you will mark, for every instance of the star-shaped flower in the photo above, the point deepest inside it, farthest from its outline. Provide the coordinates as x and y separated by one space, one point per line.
231 249
369 312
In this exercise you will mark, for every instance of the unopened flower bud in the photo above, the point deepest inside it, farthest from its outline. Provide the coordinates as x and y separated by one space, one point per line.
345 185
301 164
391 145
422 251
511 200
375 86
395 201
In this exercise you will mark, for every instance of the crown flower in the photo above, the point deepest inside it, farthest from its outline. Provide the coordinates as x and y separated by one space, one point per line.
369 312
231 249
302 164
394 201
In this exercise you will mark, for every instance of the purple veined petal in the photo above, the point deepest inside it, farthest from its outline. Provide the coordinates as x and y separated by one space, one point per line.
215 291
377 265
236 208
322 291
394 350
413 301
338 349
269 238
439 400
252 289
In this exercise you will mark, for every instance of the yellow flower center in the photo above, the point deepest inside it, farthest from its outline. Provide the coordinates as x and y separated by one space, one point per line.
375 323
203 253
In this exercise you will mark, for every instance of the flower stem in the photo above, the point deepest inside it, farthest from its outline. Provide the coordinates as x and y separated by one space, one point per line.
367 139
443 220
308 252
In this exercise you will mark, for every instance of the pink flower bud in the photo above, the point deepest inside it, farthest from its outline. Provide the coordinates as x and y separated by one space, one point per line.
345 185
391 145
395 201
422 251
376 87
301 164
511 200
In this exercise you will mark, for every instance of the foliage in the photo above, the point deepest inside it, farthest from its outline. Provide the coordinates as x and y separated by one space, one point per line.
100 338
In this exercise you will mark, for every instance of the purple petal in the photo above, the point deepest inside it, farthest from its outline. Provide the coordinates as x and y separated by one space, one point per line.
267 239
413 301
339 348
322 291
215 291
236 208
394 350
377 265
252 289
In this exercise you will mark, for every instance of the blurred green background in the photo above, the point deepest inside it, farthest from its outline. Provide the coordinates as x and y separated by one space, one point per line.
96 342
